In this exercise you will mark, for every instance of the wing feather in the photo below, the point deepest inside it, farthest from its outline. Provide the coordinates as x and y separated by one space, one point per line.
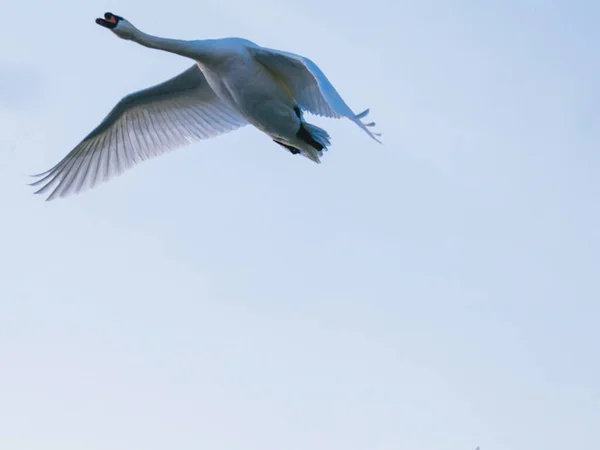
143 125
309 85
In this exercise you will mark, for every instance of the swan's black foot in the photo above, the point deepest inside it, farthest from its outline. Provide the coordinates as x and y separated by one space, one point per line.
306 137
292 150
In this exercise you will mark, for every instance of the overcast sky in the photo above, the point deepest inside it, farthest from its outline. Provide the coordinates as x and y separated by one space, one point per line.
437 292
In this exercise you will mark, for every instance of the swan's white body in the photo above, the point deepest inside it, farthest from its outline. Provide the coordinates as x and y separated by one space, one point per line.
233 83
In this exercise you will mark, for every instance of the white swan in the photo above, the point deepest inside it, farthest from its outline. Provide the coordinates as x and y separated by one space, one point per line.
233 82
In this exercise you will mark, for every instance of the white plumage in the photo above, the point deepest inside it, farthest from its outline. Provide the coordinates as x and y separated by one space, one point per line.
233 83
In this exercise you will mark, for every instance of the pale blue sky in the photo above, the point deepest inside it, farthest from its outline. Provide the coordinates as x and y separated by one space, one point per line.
438 292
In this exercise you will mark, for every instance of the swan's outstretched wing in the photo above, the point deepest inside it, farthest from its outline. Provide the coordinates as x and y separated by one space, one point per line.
142 125
309 85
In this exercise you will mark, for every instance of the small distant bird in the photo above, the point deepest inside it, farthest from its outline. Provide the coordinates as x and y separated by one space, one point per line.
233 83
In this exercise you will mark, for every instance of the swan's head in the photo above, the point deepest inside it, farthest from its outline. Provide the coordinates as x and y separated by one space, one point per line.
121 27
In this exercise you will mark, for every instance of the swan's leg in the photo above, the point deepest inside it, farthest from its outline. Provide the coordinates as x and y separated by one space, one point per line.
304 134
292 150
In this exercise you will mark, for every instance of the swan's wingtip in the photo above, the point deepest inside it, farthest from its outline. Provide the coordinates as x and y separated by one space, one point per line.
362 114
41 174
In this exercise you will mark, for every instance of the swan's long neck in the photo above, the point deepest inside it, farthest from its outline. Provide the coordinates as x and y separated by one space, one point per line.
189 49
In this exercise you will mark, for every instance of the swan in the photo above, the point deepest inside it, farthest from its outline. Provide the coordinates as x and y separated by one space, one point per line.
233 82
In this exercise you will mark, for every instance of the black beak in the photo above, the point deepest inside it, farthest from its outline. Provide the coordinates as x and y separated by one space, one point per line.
110 20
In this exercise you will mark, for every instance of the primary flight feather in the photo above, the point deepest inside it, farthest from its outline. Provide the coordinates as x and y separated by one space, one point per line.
233 83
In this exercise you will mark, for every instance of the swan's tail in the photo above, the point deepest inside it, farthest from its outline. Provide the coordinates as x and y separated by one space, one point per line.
317 139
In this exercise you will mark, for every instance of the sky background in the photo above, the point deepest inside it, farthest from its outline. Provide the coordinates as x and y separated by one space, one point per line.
437 292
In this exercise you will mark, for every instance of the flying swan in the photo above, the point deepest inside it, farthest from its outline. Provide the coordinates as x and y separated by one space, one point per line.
233 83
